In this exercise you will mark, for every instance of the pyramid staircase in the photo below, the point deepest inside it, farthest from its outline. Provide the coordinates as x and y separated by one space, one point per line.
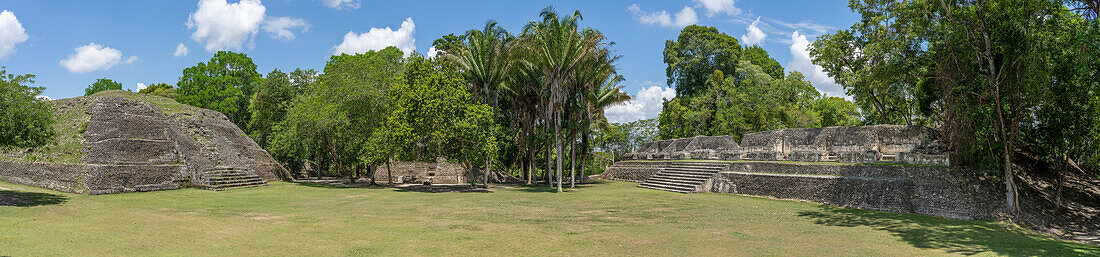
683 177
231 178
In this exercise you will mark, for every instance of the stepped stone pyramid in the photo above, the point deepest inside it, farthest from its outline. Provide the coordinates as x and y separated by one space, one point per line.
134 142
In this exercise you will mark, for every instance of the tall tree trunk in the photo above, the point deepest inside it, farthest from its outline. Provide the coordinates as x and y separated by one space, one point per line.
572 164
557 145
530 165
488 168
549 160
389 172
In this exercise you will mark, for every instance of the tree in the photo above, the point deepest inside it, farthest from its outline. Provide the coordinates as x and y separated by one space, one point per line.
25 119
331 123
223 84
160 89
879 60
102 84
559 46
272 98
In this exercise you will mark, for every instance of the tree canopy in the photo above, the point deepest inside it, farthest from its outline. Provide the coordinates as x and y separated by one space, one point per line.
25 119
102 84
223 84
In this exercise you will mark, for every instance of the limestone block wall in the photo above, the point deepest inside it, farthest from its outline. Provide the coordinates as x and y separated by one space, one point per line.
441 172
92 178
870 144
931 190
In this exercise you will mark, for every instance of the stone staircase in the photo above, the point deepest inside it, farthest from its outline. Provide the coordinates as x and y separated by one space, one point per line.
230 178
683 177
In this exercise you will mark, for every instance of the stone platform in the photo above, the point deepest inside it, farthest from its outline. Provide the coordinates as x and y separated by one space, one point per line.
923 189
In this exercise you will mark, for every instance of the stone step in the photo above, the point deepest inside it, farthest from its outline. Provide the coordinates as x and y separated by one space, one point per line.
694 169
677 181
223 177
674 185
230 181
684 179
687 173
234 185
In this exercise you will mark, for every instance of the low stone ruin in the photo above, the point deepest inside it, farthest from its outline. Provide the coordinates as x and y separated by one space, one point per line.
131 145
869 144
844 166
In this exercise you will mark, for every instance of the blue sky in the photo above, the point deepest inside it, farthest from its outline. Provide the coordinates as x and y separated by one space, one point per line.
70 44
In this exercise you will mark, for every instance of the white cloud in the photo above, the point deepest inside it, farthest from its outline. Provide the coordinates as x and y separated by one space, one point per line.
662 18
341 4
224 26
432 52
11 33
800 61
279 27
140 86
181 50
754 35
93 57
379 38
719 6
647 103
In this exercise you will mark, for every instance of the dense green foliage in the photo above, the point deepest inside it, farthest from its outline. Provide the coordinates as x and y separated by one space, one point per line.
622 138
160 89
103 84
328 126
223 84
998 77
25 119
432 116
725 89
272 98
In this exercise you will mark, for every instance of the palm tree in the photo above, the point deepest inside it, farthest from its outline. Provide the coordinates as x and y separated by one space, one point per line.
559 49
484 59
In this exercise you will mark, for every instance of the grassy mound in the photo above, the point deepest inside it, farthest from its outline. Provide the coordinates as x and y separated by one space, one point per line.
612 218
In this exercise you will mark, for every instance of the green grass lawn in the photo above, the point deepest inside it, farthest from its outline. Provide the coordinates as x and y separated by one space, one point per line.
613 218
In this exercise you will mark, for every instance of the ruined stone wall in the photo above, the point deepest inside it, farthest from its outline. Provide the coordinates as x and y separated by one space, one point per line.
441 172
92 178
931 190
869 144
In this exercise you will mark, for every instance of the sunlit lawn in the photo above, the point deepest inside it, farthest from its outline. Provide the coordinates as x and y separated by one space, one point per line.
612 218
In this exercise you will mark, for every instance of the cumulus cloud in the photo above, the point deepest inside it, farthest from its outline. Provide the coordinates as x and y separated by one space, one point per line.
93 57
140 86
341 4
662 18
379 38
11 33
647 103
754 35
432 52
181 50
800 61
279 27
719 6
224 26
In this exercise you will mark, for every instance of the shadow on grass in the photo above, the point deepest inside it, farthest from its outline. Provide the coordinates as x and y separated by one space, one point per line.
543 188
443 189
29 199
336 186
953 236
